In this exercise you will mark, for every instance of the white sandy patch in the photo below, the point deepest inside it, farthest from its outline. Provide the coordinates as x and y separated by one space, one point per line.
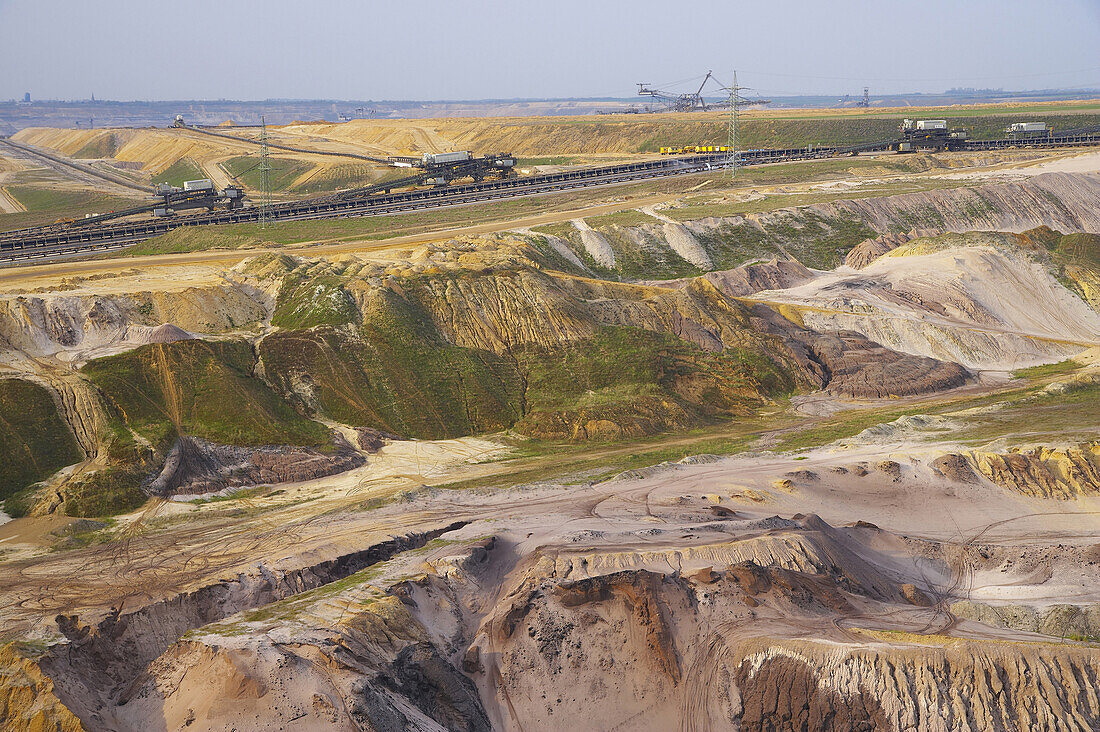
595 244
683 243
1084 163
432 459
656 213
399 465
907 428
558 245
978 306
845 185
1081 163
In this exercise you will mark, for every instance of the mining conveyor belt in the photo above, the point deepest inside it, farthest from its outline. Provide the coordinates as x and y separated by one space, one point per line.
51 241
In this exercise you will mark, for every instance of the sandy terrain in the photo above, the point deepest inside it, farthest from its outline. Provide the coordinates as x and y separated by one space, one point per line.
676 521
1016 305
605 139
881 562
8 202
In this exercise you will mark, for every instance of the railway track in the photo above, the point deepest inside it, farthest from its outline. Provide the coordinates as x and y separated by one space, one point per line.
37 243
50 242
84 170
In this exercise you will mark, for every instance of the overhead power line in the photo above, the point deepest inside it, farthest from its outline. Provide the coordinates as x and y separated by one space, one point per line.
941 79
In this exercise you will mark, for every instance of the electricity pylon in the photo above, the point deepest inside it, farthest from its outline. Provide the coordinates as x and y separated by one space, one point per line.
265 178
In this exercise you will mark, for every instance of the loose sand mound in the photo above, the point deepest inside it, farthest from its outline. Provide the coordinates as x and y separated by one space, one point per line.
971 299
78 322
156 150
166 333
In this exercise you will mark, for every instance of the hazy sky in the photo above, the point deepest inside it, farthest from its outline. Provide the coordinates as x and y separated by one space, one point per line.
437 49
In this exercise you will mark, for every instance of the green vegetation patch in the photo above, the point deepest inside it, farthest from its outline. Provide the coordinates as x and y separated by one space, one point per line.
639 256
394 372
1025 415
106 492
550 258
200 388
1050 369
700 207
338 177
546 160
283 173
1074 259
1038 415
182 170
83 533
155 393
815 240
192 239
48 198
641 382
838 129
1080 249
104 145
291 607
561 230
35 442
242 494
306 301
59 200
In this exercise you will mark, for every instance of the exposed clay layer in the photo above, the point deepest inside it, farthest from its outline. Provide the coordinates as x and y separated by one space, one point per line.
96 667
194 465
27 698
965 686
1063 473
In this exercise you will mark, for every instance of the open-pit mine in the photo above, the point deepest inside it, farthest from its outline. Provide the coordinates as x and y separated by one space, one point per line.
812 447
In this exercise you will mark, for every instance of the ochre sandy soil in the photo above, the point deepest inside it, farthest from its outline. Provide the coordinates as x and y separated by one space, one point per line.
927 561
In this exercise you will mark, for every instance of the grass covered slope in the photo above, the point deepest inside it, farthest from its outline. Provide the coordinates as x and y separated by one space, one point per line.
395 373
284 171
1076 258
104 145
46 204
629 382
177 173
34 441
159 392
479 337
199 388
305 301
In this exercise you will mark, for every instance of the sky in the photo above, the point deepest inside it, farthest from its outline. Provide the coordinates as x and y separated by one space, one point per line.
505 49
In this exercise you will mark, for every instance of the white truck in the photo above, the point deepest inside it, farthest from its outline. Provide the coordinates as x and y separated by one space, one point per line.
446 158
205 184
1017 128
